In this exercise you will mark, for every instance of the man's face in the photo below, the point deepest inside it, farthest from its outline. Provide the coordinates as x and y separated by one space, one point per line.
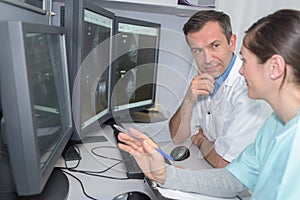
211 49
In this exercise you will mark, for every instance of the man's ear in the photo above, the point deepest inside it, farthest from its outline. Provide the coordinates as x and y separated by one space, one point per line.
232 42
277 66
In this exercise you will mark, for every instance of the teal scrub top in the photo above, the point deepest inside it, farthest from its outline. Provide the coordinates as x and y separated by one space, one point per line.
270 167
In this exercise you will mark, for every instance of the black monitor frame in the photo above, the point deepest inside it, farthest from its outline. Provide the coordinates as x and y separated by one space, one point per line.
19 127
74 23
119 112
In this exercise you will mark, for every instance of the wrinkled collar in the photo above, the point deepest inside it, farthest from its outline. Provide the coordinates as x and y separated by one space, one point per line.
221 79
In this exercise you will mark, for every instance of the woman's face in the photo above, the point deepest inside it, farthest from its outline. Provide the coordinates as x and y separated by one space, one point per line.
255 74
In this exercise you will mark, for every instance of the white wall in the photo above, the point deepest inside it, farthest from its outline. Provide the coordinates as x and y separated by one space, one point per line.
244 13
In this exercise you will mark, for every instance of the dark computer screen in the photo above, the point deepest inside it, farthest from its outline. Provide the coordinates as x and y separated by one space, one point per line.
36 123
135 57
96 52
90 59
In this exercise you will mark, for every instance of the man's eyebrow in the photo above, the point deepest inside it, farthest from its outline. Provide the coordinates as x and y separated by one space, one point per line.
196 49
215 41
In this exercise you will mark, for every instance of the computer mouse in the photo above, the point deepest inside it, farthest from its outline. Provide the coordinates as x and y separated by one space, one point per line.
123 196
132 196
180 153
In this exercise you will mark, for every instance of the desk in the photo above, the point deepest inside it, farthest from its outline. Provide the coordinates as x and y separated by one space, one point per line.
107 189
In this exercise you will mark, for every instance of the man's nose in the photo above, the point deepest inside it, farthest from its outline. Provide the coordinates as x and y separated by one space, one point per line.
207 56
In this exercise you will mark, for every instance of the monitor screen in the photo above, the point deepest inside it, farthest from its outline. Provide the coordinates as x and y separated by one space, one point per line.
35 100
135 57
91 61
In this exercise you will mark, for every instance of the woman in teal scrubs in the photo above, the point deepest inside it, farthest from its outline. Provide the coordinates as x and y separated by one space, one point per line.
270 167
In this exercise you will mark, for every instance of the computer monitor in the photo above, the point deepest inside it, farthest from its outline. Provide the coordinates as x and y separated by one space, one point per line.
36 123
90 30
134 69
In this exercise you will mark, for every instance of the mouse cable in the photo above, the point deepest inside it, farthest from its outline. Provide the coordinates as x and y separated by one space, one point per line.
101 156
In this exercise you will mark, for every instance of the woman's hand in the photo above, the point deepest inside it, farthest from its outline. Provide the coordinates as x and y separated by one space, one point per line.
142 148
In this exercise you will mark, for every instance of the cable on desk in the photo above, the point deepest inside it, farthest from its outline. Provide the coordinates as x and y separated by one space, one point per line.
93 152
93 173
102 176
101 156
81 184
68 151
240 198
97 172
72 169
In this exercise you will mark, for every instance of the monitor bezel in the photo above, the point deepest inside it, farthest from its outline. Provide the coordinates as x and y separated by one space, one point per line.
128 111
17 107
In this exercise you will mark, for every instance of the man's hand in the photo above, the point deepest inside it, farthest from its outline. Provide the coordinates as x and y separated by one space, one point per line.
202 84
208 151
199 138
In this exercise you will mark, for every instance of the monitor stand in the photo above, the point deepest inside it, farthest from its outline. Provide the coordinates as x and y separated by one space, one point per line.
57 186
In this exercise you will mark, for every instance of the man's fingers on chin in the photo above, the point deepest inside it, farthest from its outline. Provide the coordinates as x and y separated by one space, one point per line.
202 92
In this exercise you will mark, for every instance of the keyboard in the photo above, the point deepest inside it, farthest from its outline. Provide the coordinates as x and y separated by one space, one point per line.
133 170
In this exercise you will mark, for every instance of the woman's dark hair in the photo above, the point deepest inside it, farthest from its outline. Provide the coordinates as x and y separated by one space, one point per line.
277 33
199 19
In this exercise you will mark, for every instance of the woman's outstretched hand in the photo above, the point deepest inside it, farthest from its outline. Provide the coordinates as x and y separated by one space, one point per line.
142 148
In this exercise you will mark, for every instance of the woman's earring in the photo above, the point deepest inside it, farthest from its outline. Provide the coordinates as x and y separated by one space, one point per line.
272 77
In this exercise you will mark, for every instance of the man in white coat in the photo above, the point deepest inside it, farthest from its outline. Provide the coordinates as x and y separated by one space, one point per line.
216 110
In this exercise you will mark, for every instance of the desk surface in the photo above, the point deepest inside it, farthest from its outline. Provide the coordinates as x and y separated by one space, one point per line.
106 188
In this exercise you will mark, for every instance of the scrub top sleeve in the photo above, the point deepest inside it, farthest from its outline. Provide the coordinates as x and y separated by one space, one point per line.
245 167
